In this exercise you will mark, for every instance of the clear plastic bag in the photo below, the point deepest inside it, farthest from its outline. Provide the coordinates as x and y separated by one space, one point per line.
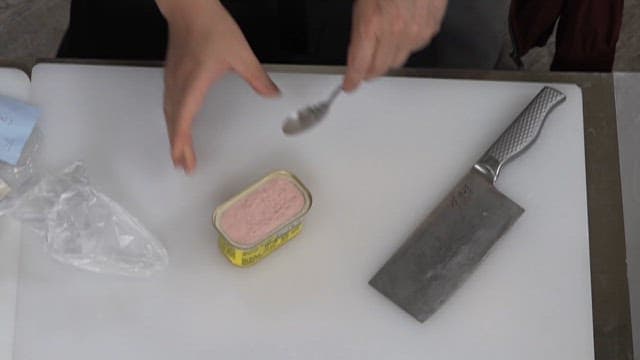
81 226
87 229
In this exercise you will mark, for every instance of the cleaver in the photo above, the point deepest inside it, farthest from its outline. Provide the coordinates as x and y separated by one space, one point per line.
450 243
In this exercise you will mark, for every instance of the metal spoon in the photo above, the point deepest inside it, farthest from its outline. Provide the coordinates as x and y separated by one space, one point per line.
310 115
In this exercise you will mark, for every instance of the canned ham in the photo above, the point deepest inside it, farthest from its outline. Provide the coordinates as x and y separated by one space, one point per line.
261 218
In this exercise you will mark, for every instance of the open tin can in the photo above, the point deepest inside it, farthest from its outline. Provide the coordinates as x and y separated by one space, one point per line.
261 218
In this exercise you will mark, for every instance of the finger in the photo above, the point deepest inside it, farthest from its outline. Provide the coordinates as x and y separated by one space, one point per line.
425 25
187 93
383 57
395 43
182 153
403 50
401 58
388 40
421 41
250 69
406 46
189 158
184 96
359 60
361 48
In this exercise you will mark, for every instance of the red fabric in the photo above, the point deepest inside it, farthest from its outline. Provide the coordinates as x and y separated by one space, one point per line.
587 31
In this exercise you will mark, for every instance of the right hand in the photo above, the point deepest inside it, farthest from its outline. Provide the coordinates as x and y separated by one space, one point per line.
204 43
384 33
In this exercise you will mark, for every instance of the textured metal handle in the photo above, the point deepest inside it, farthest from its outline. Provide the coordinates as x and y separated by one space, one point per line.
521 134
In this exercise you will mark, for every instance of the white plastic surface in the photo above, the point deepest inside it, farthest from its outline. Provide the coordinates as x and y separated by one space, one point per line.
381 160
14 83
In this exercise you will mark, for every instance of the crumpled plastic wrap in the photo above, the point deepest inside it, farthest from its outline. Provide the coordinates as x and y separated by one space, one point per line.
81 226
85 228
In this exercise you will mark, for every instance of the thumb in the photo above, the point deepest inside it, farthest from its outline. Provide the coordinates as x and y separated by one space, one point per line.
250 69
183 99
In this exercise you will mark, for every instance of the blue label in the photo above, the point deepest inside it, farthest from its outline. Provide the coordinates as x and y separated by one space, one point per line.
17 120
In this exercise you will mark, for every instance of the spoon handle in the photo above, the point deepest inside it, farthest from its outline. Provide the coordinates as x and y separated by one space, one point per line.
334 94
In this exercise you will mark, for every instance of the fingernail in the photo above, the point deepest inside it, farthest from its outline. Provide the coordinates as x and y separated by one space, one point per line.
274 87
350 87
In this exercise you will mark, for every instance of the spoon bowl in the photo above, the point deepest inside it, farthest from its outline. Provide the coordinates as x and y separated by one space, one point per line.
309 116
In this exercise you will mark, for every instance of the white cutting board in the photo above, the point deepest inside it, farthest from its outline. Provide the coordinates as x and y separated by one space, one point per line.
16 84
379 163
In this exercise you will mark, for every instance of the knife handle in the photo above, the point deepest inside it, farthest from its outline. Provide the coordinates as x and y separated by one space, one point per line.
521 134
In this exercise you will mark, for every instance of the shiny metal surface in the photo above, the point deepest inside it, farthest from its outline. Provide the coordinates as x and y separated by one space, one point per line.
309 116
521 134
447 247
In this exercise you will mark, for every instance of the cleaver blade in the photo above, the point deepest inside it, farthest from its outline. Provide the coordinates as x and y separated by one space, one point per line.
450 243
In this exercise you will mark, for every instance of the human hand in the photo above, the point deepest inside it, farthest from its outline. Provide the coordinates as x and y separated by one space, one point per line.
384 33
204 43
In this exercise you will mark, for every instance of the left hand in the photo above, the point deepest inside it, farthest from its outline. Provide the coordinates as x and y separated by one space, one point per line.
385 33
